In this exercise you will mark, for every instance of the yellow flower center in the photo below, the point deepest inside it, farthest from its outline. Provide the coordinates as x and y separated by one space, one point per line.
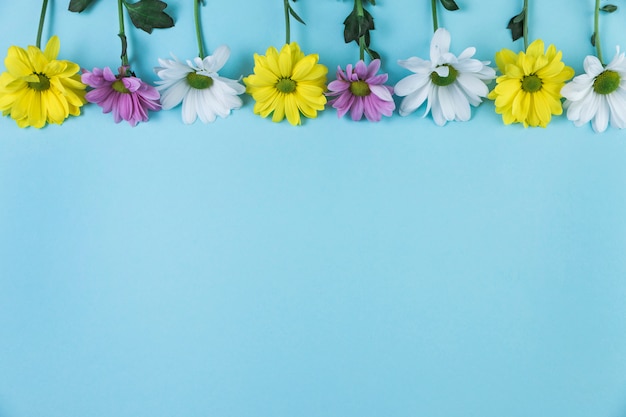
286 85
199 81
531 83
607 82
444 81
118 86
41 85
360 88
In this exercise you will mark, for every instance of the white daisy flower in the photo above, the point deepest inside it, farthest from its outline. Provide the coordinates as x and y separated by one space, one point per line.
449 83
599 95
199 87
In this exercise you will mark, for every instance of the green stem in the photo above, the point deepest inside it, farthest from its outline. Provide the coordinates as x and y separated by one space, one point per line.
122 34
287 23
525 26
42 18
196 16
358 6
433 7
596 31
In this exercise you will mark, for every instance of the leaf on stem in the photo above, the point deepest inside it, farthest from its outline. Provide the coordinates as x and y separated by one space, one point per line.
148 15
450 5
516 25
78 6
609 8
358 26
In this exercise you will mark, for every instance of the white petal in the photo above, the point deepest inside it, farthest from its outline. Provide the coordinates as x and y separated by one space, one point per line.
446 102
462 108
592 66
589 111
412 101
215 62
601 121
440 44
410 84
467 53
578 88
416 65
190 106
617 104
172 96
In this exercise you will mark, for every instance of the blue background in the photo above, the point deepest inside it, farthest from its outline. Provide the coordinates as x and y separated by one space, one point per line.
247 268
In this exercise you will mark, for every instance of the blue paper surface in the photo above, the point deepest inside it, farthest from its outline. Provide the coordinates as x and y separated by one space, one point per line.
338 268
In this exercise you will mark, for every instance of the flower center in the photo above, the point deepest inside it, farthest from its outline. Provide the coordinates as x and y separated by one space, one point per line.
531 83
119 86
444 81
41 85
360 88
607 82
199 81
286 85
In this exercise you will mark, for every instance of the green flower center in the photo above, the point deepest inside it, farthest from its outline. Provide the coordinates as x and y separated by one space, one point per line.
360 88
198 81
286 85
607 82
531 83
444 81
41 85
118 86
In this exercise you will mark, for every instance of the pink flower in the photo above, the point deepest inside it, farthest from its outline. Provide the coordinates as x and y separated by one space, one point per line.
126 95
360 90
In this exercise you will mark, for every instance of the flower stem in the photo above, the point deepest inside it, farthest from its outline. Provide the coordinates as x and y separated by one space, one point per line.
122 34
287 23
358 5
42 18
525 25
433 7
596 31
196 16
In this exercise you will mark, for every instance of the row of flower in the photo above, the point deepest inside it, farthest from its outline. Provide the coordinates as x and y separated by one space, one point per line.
37 88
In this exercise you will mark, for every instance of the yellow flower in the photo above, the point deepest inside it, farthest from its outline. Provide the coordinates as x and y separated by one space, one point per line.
287 83
37 88
529 89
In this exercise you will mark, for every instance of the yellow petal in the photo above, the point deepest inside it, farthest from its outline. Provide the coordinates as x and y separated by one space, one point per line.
37 59
279 109
536 48
284 62
52 48
17 62
291 110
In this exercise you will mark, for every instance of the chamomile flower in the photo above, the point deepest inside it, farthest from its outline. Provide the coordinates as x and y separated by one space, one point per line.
598 95
199 87
448 83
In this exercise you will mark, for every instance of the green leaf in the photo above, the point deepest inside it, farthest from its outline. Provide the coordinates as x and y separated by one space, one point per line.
148 15
295 15
372 53
516 25
450 5
78 6
609 8
351 28
358 26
